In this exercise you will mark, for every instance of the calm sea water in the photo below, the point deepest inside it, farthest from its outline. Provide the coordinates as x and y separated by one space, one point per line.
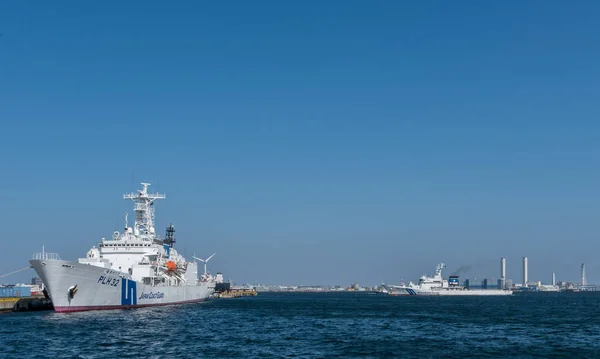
318 325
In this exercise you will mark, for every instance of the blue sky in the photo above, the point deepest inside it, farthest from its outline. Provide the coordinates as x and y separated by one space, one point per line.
308 142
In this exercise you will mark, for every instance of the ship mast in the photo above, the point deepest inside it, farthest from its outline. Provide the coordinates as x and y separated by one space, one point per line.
144 210
438 269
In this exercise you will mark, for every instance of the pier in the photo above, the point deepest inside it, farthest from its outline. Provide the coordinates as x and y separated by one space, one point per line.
25 304
236 293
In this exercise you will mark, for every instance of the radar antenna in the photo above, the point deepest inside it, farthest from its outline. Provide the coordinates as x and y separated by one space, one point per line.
144 210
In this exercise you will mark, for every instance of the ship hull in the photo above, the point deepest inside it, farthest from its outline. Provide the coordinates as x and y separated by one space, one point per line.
469 292
401 291
75 287
408 291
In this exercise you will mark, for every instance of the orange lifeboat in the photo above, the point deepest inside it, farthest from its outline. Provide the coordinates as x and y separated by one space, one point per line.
171 266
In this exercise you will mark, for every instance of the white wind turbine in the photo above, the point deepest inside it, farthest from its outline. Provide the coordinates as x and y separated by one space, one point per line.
204 261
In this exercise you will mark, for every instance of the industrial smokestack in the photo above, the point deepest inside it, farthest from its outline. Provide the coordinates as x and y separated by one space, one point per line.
583 280
525 278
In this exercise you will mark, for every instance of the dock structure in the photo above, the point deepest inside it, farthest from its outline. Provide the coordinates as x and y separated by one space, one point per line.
25 304
236 293
7 304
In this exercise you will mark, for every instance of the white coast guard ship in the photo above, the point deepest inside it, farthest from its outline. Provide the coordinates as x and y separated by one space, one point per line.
437 285
133 269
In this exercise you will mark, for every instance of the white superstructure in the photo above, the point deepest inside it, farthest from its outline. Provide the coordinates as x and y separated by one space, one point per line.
437 285
135 268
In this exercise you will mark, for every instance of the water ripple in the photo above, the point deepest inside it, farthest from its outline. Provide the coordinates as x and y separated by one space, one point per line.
317 326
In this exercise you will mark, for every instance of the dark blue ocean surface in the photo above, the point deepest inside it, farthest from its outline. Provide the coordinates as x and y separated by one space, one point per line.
318 325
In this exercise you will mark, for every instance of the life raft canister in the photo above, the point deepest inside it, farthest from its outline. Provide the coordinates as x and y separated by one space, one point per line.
171 266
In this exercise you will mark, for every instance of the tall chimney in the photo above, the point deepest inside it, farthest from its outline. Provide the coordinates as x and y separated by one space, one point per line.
525 278
503 273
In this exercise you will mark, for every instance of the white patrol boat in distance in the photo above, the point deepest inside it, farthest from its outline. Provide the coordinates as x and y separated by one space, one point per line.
436 285
133 269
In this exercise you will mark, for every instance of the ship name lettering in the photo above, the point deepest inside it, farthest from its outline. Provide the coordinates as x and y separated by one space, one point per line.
157 295
108 281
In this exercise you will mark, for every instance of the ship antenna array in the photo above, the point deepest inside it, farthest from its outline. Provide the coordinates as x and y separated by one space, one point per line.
144 209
